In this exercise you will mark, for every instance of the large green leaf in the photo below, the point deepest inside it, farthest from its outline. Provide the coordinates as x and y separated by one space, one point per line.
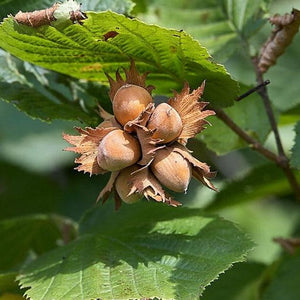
217 24
263 181
295 160
19 235
170 56
284 283
41 94
143 250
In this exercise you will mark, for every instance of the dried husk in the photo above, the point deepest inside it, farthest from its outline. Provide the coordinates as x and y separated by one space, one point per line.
281 37
132 76
200 171
191 111
86 144
144 182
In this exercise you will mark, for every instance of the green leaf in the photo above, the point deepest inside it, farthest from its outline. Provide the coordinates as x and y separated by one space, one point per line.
26 193
261 182
217 24
249 114
22 234
170 56
285 281
141 251
240 282
295 159
37 92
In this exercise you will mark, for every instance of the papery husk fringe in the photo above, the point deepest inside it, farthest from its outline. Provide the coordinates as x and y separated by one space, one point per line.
86 144
191 111
132 77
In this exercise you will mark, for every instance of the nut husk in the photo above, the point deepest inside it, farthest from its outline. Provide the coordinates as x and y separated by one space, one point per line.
130 100
166 122
118 150
172 170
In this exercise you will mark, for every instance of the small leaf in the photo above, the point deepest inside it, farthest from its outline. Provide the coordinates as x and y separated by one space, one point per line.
170 56
19 235
295 159
161 252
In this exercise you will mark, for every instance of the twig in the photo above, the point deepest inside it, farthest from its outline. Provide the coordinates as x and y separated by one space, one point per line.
265 96
284 161
251 91
256 145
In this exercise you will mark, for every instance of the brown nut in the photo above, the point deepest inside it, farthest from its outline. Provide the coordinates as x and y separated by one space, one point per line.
166 122
123 186
129 101
172 170
118 150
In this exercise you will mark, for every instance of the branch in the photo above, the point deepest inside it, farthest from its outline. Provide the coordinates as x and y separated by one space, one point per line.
267 103
255 145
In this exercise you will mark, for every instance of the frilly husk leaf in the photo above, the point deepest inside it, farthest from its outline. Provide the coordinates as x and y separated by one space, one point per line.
191 111
86 144
281 37
108 119
144 182
106 191
200 171
132 77
141 120
148 145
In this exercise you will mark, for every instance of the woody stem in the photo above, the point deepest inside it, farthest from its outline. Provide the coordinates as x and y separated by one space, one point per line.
257 146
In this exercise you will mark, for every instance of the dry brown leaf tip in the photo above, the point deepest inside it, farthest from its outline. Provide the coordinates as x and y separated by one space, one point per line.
47 16
86 144
191 111
142 144
132 77
285 29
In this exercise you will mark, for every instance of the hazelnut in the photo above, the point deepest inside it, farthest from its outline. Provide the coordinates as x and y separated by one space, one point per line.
166 122
118 150
172 170
123 186
129 101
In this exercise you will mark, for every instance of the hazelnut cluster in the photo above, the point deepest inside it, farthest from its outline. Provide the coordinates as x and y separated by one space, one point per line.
143 145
